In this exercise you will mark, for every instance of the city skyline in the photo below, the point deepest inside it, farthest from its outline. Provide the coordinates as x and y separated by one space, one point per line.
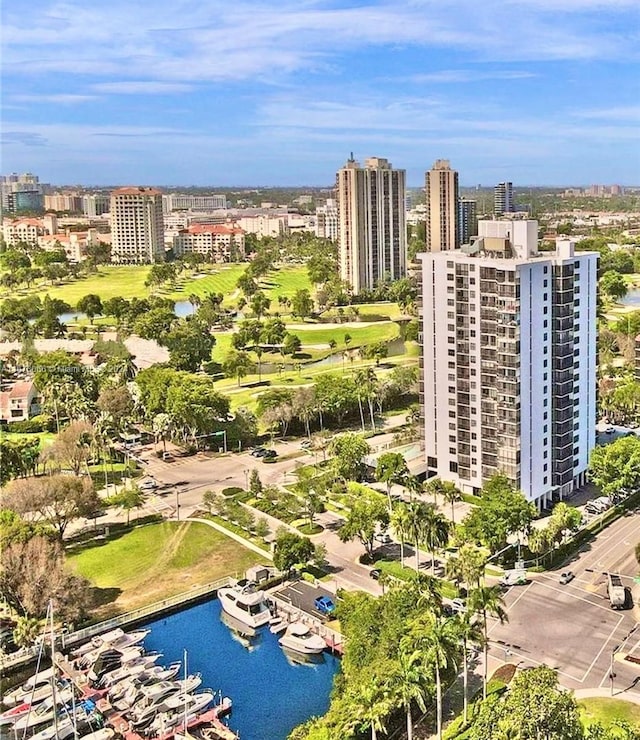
279 94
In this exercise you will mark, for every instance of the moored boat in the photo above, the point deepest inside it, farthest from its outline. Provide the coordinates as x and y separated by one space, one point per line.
299 637
17 695
245 603
190 707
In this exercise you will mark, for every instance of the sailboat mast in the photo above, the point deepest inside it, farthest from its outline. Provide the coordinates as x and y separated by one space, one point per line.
53 676
185 692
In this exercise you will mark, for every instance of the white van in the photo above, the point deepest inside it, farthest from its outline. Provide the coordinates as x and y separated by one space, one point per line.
514 578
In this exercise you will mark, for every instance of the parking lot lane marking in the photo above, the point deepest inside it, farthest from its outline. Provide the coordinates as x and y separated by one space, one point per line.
606 642
296 590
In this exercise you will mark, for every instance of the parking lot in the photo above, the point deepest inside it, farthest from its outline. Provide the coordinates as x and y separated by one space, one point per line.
572 627
302 595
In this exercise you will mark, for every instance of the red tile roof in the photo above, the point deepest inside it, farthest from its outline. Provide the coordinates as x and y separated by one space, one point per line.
21 389
212 229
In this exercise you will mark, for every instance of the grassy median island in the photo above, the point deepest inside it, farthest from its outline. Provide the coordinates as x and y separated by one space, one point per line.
605 711
149 563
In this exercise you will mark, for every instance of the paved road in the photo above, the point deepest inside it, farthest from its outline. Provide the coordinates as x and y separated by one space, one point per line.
572 627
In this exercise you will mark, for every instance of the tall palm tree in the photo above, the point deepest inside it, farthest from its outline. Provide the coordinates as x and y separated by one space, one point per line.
413 484
400 525
436 641
375 706
451 493
434 487
436 529
468 566
487 601
469 632
415 529
410 685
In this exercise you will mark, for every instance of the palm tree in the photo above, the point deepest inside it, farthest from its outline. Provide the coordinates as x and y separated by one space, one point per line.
415 511
436 642
468 566
375 705
410 686
259 352
434 486
391 468
487 601
26 631
435 528
413 484
400 525
451 493
469 631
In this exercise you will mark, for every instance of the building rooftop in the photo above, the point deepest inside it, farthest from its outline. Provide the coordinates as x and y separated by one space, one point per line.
136 191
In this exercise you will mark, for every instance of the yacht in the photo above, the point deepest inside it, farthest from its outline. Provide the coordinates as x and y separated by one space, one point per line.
300 638
22 693
111 659
129 670
294 658
75 725
147 677
190 707
245 603
172 699
118 642
107 638
43 713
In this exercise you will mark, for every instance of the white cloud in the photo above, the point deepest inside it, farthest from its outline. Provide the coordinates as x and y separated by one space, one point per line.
56 98
142 87
448 76
621 114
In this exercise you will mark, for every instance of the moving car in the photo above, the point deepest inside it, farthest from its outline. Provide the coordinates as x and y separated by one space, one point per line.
258 451
168 457
324 605
566 577
148 485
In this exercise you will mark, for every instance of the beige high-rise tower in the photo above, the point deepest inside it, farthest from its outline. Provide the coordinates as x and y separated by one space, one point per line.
137 228
372 222
441 188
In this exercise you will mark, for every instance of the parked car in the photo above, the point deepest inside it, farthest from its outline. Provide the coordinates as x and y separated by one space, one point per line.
375 574
566 577
609 430
459 606
324 605
148 485
305 444
168 457
258 451
269 455
384 538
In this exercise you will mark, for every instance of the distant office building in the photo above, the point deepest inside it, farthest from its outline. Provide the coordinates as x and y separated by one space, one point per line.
509 362
137 230
441 191
372 232
467 219
327 223
21 193
185 202
503 199
96 204
264 225
218 242
64 202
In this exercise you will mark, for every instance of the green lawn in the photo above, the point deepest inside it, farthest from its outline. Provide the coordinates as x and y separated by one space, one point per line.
605 710
282 281
149 563
46 438
381 331
108 282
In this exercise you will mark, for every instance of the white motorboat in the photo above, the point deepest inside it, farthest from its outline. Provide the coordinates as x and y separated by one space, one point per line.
21 693
44 712
299 637
244 602
147 678
129 669
190 707
70 726
173 699
111 659
125 641
140 699
107 638
38 694
294 658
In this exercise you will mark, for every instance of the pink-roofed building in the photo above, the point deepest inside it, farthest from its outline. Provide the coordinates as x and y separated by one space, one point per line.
219 242
19 403
74 243
28 230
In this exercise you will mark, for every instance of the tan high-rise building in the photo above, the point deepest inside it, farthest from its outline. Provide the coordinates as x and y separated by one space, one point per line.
441 189
372 222
137 229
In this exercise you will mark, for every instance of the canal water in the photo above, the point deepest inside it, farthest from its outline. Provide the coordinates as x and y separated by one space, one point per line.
271 692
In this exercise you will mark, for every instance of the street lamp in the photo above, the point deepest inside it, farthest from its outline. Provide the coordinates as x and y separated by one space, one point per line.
177 504
612 675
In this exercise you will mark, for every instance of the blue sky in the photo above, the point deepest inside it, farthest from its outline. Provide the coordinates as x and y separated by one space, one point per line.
266 92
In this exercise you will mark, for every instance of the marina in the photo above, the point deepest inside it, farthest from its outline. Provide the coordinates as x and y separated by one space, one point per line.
135 685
